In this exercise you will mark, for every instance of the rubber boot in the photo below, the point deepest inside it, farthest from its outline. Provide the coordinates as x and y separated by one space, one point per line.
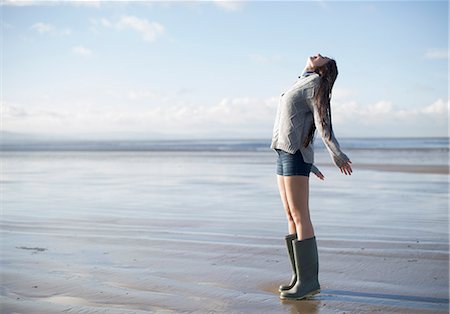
289 238
307 264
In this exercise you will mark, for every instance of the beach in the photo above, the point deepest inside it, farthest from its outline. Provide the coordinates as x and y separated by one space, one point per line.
203 232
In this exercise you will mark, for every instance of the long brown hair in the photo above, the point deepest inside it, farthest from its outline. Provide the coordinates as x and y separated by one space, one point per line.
322 96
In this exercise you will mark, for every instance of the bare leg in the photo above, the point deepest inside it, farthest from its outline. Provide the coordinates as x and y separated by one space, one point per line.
291 224
297 195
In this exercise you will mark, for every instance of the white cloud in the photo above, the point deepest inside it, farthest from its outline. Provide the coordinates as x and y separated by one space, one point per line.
439 107
20 113
13 111
142 95
82 51
342 93
321 3
385 113
104 22
46 28
17 3
381 107
383 118
90 3
43 27
245 116
150 31
434 53
135 110
229 5
93 3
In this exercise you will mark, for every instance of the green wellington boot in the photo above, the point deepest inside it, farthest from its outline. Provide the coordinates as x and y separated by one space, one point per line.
289 238
307 265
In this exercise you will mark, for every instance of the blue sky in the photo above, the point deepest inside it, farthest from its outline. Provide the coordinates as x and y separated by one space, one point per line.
216 69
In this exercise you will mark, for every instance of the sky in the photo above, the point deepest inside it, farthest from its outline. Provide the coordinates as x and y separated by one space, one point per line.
216 69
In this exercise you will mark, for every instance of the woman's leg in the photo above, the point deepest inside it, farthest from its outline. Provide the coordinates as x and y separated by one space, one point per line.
297 196
291 224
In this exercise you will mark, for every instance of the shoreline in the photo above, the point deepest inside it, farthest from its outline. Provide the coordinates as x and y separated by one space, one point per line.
230 155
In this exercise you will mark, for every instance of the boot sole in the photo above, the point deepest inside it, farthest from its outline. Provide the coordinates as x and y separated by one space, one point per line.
309 294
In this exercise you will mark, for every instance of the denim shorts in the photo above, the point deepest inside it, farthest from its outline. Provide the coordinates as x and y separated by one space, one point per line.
292 164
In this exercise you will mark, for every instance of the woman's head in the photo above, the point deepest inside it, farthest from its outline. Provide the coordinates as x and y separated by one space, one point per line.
324 66
316 61
328 72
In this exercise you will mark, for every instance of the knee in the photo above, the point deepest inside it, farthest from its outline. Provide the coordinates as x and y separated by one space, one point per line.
299 216
289 217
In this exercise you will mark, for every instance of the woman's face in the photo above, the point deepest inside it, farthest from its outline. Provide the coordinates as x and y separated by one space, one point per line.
317 61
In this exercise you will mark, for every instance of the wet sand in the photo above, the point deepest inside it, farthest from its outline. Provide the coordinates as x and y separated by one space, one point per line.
382 242
129 266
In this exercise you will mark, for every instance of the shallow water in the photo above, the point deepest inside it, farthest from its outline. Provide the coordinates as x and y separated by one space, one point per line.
232 188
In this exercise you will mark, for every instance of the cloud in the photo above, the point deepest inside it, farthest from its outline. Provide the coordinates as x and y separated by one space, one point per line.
142 95
82 51
439 107
17 112
384 118
321 3
17 3
381 107
170 115
91 3
148 111
150 31
104 22
342 93
229 5
46 28
13 111
385 113
435 53
42 27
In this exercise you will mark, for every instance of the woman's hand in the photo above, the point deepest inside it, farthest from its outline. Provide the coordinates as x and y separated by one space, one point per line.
346 168
320 175
317 172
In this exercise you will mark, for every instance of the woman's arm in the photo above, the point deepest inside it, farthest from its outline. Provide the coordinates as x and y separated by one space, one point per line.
332 145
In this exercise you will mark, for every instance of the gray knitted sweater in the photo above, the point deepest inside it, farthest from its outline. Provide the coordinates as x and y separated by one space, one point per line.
296 113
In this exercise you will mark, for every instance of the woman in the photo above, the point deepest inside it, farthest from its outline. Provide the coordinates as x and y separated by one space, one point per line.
302 109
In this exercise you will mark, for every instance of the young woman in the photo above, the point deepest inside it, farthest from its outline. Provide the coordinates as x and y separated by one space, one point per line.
302 109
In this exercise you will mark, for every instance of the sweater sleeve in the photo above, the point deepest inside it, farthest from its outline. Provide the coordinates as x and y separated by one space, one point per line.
332 145
314 169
